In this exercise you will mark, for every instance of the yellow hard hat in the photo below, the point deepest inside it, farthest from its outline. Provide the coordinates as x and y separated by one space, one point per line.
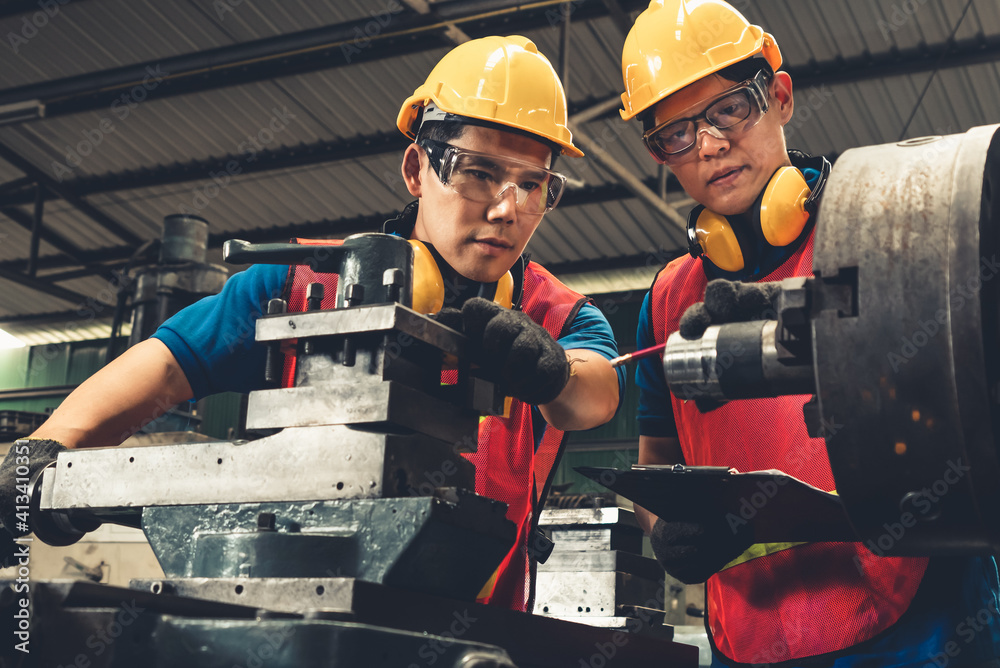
502 80
677 42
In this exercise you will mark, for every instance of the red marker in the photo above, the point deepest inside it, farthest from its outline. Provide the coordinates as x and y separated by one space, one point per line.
639 354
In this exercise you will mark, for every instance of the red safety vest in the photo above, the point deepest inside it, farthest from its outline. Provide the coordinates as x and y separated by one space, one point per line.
779 602
508 467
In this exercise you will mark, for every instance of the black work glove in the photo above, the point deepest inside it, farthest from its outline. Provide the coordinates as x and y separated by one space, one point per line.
33 454
729 301
692 552
513 351
449 317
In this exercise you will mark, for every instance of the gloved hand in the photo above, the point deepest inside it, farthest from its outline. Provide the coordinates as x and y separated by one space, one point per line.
729 301
692 552
512 350
25 458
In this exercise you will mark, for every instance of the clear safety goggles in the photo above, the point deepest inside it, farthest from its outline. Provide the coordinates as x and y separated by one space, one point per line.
746 101
482 177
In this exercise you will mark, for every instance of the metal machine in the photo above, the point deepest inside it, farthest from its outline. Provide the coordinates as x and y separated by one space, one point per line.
350 537
897 335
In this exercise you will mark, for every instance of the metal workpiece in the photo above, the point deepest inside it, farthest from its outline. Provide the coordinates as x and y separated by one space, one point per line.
78 623
388 405
567 517
596 573
907 385
297 464
598 594
531 641
739 360
360 261
691 366
307 643
408 325
448 547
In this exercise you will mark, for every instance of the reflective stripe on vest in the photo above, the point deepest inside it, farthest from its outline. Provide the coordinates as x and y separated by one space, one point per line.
787 601
507 467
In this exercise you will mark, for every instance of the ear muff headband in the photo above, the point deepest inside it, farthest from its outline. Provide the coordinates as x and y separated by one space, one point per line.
781 210
428 282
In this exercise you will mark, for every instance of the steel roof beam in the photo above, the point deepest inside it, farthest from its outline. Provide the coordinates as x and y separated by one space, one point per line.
836 71
609 192
41 286
84 207
32 7
306 51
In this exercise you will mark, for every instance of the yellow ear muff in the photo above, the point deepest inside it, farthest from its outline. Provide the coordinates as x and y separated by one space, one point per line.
718 241
783 213
505 291
428 285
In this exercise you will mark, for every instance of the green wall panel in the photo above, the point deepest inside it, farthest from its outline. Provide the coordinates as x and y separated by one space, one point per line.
85 358
221 413
13 368
48 365
617 458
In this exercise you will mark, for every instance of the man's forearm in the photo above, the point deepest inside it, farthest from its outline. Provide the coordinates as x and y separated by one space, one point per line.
118 400
589 399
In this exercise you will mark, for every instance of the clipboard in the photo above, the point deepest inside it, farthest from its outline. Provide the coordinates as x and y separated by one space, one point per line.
778 507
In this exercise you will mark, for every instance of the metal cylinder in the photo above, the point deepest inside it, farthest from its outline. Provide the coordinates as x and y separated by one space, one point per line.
733 361
910 380
185 239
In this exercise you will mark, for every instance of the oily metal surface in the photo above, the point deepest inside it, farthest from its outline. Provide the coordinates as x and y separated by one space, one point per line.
903 384
300 464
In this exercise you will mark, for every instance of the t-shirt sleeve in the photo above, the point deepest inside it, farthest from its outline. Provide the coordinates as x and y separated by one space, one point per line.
213 339
590 330
655 413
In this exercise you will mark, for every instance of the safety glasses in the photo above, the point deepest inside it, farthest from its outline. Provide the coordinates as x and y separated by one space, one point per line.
746 101
482 177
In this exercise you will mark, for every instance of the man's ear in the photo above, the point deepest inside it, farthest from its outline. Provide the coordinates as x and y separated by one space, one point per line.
781 93
412 169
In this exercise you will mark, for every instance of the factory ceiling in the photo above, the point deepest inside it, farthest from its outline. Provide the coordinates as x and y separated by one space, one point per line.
277 119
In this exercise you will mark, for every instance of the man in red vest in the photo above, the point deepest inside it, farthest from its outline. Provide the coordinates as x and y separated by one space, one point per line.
708 90
487 127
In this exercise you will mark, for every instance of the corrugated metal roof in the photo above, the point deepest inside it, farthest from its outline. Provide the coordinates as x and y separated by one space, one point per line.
362 99
87 37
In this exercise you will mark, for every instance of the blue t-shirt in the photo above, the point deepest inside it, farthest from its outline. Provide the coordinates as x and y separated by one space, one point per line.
952 622
213 339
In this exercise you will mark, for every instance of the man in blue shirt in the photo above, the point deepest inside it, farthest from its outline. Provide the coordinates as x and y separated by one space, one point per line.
487 126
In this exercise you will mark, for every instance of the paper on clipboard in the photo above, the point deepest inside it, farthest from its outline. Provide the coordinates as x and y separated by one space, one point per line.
779 507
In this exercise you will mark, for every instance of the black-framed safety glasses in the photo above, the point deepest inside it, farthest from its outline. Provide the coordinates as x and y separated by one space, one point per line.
744 103
483 177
